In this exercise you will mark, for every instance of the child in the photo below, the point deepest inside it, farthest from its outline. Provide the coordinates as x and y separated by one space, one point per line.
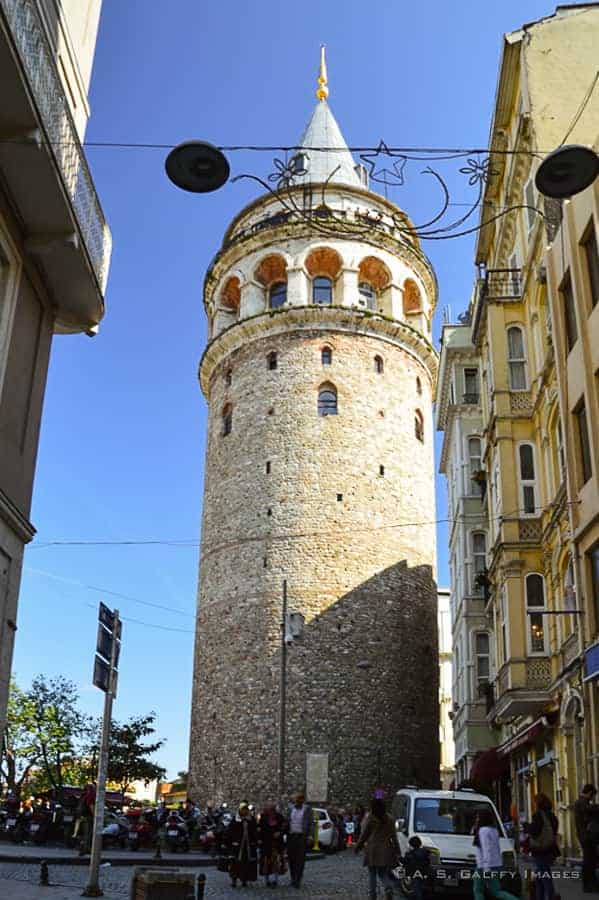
416 863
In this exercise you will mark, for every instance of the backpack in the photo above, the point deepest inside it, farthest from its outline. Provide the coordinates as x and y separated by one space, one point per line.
545 840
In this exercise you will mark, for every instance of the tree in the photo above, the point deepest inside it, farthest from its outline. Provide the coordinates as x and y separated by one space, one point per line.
128 756
180 782
58 727
20 752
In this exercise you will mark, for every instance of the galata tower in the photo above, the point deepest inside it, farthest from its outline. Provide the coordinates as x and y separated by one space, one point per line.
319 376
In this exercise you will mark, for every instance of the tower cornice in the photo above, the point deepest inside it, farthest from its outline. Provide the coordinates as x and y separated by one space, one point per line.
265 236
316 318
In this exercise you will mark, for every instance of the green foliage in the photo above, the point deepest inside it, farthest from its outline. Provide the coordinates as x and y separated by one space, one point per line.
19 750
128 757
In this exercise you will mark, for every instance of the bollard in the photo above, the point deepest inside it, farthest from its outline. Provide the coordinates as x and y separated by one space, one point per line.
200 887
316 845
44 877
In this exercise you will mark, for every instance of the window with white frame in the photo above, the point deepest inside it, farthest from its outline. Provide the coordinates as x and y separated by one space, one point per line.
483 662
475 465
516 358
535 605
479 560
528 482
530 201
470 385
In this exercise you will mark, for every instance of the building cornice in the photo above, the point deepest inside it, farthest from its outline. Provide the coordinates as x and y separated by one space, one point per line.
15 519
316 318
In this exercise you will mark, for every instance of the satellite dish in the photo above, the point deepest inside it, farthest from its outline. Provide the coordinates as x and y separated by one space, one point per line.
197 166
567 171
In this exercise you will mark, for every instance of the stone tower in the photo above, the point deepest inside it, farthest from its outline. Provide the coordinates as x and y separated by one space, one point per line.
319 375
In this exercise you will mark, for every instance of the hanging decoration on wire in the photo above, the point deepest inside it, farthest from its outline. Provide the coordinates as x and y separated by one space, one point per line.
301 201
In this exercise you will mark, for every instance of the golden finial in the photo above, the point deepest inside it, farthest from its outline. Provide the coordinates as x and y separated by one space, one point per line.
322 91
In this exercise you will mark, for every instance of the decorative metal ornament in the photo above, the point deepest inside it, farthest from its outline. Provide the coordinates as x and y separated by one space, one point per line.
387 176
197 166
567 171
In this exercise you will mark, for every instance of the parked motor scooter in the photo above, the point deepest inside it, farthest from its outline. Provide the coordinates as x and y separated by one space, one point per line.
115 832
176 834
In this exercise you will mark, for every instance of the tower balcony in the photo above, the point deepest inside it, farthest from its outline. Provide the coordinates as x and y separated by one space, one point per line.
43 166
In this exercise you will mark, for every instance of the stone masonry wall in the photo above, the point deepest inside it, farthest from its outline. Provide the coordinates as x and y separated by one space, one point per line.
342 533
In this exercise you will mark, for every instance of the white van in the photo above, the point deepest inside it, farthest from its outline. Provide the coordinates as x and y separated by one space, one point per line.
444 820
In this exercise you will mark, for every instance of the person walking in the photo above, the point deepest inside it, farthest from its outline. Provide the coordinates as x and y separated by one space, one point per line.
417 863
585 819
242 840
300 828
382 850
543 846
271 830
488 859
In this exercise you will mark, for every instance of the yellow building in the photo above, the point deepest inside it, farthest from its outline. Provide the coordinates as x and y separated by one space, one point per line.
534 702
573 280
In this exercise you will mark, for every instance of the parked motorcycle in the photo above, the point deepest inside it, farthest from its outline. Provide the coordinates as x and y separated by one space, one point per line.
176 834
115 832
39 826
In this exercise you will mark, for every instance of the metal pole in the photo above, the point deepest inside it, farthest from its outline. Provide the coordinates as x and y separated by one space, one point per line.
92 888
282 703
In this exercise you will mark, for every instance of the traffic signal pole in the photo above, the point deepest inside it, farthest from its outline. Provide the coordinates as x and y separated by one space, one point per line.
93 889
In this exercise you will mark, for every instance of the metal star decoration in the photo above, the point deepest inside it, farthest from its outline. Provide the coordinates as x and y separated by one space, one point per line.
384 175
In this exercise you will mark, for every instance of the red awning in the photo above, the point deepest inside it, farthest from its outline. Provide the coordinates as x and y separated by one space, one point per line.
526 736
488 766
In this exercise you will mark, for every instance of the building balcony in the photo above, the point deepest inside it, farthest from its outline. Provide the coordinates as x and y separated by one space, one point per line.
471 399
45 173
502 284
522 688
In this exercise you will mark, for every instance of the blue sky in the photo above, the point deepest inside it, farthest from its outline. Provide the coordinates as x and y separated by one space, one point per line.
122 443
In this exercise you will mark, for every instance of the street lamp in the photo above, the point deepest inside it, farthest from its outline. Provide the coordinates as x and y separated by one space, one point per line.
567 171
197 167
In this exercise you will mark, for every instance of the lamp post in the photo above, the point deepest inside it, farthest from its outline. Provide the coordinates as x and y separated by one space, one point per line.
292 625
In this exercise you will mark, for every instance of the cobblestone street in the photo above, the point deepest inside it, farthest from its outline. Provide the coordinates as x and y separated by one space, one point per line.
340 876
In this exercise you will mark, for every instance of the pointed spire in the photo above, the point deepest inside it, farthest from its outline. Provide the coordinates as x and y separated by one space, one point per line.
327 154
322 92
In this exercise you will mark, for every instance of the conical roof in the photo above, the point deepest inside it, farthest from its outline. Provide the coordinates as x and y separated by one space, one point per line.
334 161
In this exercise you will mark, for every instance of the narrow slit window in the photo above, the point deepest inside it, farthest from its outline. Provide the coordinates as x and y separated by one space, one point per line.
379 365
227 420
326 356
271 360
419 426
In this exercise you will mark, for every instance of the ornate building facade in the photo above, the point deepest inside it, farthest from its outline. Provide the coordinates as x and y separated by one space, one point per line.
531 325
319 375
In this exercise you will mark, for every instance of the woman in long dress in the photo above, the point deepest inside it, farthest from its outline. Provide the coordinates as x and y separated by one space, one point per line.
271 829
242 840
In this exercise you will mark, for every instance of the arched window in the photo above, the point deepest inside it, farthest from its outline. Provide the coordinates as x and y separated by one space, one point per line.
277 295
271 360
419 425
367 295
528 481
379 365
516 359
227 419
535 600
418 386
326 356
475 463
322 290
327 400
479 561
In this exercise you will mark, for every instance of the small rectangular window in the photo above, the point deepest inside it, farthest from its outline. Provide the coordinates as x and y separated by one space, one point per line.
569 311
592 257
381 470
268 468
470 385
586 466
339 498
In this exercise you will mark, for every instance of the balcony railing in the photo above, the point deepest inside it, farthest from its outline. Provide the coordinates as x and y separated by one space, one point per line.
503 284
38 61
471 398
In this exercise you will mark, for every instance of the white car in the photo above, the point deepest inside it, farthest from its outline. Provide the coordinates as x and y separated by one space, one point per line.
327 830
444 822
